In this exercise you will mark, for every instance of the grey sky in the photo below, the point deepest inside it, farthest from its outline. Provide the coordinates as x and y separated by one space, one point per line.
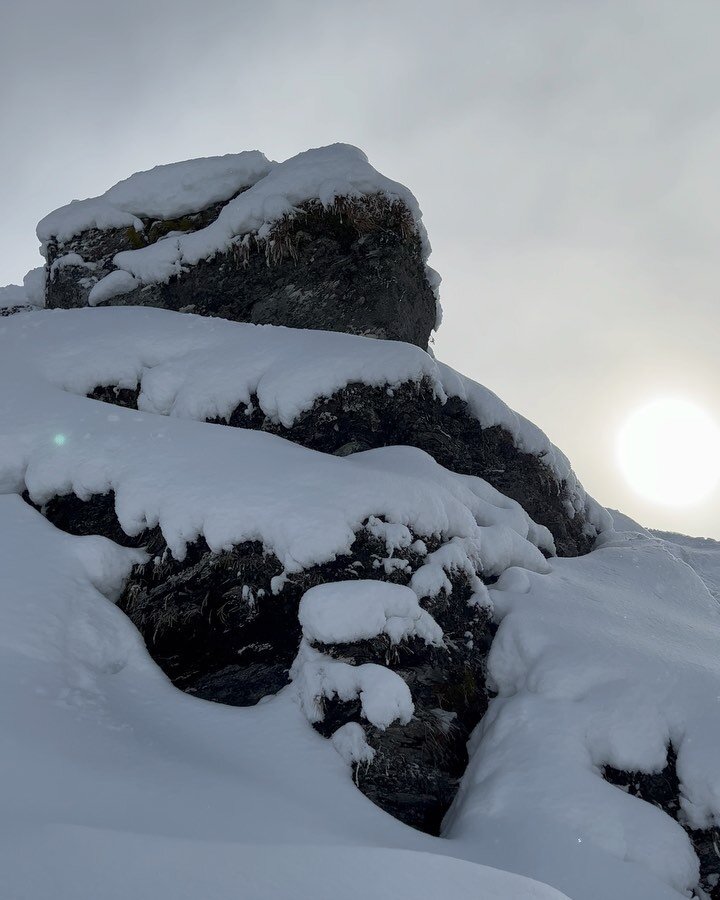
564 155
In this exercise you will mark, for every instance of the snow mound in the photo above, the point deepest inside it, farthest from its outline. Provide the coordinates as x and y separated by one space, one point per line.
607 660
347 611
164 192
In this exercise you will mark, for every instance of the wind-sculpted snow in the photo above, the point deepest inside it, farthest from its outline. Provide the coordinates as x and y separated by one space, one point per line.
608 660
203 368
114 784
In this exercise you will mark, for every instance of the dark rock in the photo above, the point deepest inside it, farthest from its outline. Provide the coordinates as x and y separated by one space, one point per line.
663 790
355 267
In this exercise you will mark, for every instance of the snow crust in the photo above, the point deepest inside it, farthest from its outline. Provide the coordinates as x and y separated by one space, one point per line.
347 611
202 368
606 660
115 784
164 192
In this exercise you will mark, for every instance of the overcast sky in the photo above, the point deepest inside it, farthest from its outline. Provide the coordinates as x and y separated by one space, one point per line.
564 155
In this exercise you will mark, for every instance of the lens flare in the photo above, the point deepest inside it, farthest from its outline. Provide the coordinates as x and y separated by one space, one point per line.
59 440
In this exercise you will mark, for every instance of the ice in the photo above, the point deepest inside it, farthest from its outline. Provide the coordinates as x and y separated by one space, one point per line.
346 611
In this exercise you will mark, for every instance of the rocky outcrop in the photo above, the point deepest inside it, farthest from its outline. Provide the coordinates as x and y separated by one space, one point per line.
226 625
352 261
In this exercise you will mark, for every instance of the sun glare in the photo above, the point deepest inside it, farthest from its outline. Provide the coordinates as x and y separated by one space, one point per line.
669 452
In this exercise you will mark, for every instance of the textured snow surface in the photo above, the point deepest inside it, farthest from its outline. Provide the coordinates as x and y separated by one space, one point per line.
200 368
114 784
164 192
347 611
606 660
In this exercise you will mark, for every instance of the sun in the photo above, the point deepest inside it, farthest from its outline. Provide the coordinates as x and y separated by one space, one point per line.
669 452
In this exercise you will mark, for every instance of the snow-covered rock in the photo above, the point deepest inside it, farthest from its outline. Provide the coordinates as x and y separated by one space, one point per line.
29 294
331 392
321 240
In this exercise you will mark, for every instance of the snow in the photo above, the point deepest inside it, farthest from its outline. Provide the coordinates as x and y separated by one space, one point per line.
30 293
117 785
346 611
606 660
201 368
350 742
164 192
117 282
384 696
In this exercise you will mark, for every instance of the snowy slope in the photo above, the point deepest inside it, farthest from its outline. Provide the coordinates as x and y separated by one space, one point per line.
606 660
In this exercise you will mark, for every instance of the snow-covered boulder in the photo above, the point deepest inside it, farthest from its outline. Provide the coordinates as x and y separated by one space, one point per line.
28 295
321 240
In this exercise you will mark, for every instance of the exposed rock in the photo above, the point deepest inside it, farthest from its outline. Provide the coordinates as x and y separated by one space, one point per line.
356 266
663 790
